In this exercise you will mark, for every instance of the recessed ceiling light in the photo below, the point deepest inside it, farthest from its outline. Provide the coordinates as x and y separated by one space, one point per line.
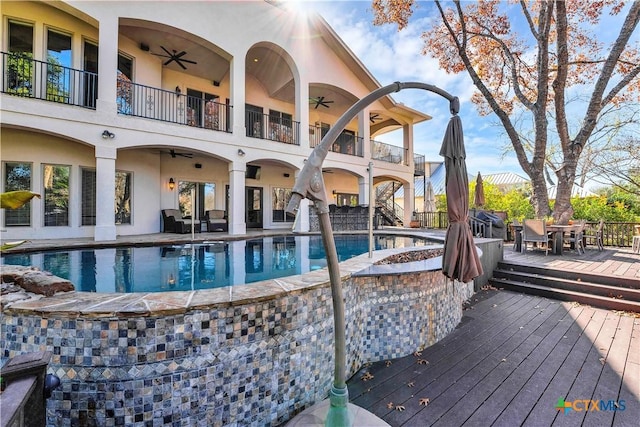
255 59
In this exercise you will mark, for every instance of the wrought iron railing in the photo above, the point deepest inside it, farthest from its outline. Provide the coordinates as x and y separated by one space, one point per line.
388 153
148 102
432 219
345 143
27 77
273 128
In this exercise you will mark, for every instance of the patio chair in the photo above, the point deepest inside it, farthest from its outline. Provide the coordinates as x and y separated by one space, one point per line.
575 237
216 220
534 231
517 235
174 222
594 236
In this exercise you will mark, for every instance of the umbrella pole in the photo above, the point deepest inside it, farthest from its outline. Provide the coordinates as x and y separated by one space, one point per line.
338 414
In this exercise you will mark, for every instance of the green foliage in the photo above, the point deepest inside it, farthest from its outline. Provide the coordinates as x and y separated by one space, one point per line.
609 209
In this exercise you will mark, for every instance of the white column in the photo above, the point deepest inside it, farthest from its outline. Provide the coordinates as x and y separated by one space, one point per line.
237 205
302 109
407 136
364 131
107 65
302 221
363 190
105 228
237 82
409 202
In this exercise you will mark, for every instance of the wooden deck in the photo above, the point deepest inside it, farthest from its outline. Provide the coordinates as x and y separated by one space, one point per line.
508 363
611 261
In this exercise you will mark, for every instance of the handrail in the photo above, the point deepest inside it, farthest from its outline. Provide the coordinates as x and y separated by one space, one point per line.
345 143
27 77
273 128
387 152
149 102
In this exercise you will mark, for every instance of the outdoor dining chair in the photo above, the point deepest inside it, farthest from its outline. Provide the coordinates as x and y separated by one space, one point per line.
575 237
534 231
595 236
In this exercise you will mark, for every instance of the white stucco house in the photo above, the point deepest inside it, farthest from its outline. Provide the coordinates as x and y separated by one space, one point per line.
116 111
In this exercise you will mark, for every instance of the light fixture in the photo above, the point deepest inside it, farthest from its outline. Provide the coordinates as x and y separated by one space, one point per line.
107 135
241 152
172 184
178 90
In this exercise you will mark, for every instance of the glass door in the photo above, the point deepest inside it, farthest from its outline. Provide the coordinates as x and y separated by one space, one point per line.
254 207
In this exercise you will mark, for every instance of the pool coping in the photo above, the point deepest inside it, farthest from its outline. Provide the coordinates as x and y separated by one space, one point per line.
92 304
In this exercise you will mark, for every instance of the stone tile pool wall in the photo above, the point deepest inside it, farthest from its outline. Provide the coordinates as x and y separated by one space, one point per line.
242 361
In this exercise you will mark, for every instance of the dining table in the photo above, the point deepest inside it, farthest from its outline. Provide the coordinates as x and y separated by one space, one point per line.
558 236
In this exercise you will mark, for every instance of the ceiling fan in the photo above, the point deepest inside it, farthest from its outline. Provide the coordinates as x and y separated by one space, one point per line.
319 100
175 56
174 154
374 117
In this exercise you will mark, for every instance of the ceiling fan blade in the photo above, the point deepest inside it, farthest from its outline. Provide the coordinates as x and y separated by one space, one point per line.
168 53
179 62
188 61
179 55
168 61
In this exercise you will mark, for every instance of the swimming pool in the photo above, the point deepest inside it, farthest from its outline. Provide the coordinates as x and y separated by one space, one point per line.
198 266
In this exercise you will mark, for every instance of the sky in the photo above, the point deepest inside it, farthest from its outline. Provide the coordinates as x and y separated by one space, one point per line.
392 56
396 56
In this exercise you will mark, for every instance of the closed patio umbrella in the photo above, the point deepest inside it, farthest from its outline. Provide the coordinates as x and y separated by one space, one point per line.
430 199
478 199
460 260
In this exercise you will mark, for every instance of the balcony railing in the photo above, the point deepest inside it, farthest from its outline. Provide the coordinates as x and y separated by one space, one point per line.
168 106
273 128
346 143
30 78
388 153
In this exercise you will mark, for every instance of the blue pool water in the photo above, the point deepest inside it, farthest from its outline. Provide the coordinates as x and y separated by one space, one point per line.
198 266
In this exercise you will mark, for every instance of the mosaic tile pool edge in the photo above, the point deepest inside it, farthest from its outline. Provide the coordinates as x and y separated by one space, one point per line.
251 364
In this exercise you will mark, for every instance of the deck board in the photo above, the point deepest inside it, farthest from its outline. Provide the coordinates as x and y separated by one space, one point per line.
508 363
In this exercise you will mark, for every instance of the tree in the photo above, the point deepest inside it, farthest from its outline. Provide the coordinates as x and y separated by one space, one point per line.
534 73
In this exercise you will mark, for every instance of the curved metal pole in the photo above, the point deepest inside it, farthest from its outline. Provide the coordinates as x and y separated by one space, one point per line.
310 184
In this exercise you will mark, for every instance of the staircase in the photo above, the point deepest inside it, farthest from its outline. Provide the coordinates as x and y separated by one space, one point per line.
390 211
613 293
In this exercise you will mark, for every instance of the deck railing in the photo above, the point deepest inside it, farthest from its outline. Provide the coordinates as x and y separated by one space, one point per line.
432 219
273 128
616 233
148 102
388 153
27 77
345 143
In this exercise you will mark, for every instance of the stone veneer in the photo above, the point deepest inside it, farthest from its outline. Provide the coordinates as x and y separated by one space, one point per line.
250 355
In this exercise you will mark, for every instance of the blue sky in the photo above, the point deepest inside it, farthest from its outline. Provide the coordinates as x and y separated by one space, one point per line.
395 56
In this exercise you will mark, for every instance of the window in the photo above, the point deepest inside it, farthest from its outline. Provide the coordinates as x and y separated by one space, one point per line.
20 62
58 67
90 76
56 195
88 199
17 176
123 198
124 91
122 201
280 200
202 109
204 193
346 199
280 126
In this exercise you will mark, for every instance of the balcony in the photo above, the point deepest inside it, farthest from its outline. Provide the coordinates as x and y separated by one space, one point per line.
26 77
346 143
388 153
170 106
418 164
272 127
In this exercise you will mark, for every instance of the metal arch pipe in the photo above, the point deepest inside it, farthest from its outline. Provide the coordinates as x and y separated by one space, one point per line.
310 184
